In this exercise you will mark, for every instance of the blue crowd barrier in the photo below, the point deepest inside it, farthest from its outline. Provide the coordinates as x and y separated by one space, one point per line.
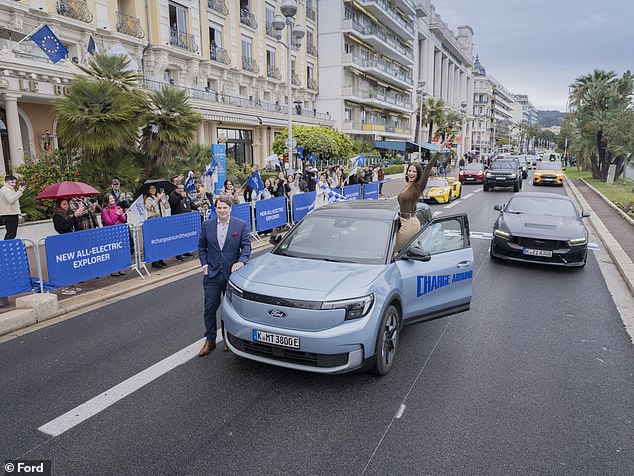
83 255
270 213
352 192
371 191
14 268
170 236
301 204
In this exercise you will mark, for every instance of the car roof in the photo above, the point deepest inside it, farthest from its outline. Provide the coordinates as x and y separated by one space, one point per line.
380 209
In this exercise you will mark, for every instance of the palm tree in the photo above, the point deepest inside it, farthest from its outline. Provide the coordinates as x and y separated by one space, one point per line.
170 128
435 114
521 128
113 68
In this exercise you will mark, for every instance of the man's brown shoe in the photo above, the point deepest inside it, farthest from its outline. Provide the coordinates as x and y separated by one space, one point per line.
208 347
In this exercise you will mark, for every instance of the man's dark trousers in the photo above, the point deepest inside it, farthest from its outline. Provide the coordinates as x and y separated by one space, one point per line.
11 224
214 288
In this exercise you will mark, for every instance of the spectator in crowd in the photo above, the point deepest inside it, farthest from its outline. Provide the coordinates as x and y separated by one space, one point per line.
155 208
380 176
280 188
112 214
181 202
352 179
267 191
121 198
302 186
64 221
367 174
311 181
247 192
292 186
88 209
177 179
224 247
229 191
10 206
321 195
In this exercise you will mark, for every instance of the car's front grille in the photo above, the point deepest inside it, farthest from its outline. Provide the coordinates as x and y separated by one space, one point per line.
281 302
535 244
288 355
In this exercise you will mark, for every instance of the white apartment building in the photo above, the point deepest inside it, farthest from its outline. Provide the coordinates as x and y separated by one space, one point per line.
529 113
222 52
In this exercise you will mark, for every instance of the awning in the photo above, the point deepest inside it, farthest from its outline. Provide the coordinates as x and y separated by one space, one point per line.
404 146
232 118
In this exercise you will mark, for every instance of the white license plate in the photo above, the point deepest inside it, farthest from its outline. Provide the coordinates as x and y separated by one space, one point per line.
470 178
275 339
546 253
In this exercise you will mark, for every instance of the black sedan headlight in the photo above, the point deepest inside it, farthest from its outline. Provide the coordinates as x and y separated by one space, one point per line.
505 235
577 241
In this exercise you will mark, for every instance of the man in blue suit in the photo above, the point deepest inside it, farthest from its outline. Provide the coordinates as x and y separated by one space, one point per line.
224 247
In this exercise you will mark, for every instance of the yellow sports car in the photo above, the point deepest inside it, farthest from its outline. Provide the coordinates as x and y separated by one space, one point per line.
548 173
442 190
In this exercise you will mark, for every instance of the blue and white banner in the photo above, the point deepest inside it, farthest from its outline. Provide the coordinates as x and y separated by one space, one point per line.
219 154
270 213
170 236
302 203
14 268
83 255
243 212
352 192
371 191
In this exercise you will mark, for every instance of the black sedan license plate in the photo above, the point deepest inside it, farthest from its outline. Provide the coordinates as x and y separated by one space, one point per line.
275 339
545 253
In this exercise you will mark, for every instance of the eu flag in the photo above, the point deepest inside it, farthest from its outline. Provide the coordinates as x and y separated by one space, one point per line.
49 43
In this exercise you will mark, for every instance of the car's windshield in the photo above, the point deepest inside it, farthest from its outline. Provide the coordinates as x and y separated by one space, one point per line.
549 166
503 165
473 166
437 183
336 238
558 207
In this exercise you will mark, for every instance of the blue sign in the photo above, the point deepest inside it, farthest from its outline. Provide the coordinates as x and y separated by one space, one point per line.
14 268
170 236
371 191
352 192
83 255
219 153
270 213
302 203
243 212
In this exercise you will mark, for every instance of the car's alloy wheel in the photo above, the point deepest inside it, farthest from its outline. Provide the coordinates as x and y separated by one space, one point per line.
387 341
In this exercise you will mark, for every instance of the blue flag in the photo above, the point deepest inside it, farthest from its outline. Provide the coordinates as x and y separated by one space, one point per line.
300 152
190 185
49 43
312 157
357 162
92 46
211 168
256 181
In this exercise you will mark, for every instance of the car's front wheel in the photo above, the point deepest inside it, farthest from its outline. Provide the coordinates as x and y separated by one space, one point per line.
387 341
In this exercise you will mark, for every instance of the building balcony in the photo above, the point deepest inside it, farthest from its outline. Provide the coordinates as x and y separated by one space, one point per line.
273 72
382 70
247 18
421 9
76 9
387 15
373 128
380 40
129 25
312 84
311 49
218 6
220 55
250 65
408 6
183 40
295 80
377 98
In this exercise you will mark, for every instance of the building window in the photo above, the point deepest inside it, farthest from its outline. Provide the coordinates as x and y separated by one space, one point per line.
269 11
348 48
215 36
178 17
310 72
247 47
347 114
239 145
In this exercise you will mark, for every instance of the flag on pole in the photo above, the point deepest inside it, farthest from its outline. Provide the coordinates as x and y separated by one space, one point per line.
273 159
211 168
331 195
300 152
358 161
92 46
49 43
312 157
136 212
256 181
119 50
190 185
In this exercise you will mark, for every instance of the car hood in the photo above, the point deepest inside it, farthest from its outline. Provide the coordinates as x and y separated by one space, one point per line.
543 226
435 190
304 278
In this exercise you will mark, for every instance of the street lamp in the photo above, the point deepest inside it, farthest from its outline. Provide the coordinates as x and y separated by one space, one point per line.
294 35
463 113
421 99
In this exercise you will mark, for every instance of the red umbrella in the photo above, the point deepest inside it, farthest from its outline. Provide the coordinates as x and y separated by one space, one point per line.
66 190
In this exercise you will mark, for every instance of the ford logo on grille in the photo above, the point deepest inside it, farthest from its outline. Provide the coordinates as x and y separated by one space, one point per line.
277 313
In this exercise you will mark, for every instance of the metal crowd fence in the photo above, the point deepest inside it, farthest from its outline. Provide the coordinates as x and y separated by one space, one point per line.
88 254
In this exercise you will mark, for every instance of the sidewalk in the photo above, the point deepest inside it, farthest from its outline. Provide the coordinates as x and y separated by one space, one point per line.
615 229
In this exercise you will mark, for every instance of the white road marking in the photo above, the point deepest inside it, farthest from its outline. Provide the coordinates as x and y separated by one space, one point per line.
451 205
477 190
400 411
467 196
99 403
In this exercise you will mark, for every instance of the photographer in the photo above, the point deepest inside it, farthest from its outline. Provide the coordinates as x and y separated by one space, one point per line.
10 206
86 210
121 198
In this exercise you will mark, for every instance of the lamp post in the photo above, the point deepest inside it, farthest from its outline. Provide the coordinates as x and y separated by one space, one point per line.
294 35
463 113
421 99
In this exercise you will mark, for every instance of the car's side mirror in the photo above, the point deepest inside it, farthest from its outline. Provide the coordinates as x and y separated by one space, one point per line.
497 207
275 239
417 253
585 214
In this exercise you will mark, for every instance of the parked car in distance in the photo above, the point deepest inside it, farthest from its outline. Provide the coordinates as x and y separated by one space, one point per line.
540 227
472 173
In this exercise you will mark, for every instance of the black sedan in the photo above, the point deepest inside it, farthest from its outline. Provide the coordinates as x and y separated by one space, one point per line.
540 228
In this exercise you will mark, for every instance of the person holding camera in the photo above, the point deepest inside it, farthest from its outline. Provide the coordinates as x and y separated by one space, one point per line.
121 198
86 210
10 206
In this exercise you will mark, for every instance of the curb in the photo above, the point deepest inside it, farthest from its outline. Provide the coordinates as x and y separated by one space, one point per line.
606 200
621 260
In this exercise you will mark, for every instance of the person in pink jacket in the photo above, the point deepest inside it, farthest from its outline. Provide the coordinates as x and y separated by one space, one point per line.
112 214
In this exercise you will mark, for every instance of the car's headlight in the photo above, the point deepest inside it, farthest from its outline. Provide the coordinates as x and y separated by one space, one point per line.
537 175
488 175
355 308
577 241
560 175
502 234
513 175
231 290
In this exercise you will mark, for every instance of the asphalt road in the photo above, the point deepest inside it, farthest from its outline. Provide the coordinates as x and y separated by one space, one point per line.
536 378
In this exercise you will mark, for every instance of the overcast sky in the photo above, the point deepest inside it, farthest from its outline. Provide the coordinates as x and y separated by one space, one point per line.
539 47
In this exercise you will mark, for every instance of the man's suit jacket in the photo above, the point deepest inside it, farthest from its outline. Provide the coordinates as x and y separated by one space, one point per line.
237 246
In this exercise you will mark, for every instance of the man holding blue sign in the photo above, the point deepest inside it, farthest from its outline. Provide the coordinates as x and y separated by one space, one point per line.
224 247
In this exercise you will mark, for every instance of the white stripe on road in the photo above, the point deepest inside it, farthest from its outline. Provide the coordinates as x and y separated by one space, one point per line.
477 190
451 205
467 196
400 411
95 405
